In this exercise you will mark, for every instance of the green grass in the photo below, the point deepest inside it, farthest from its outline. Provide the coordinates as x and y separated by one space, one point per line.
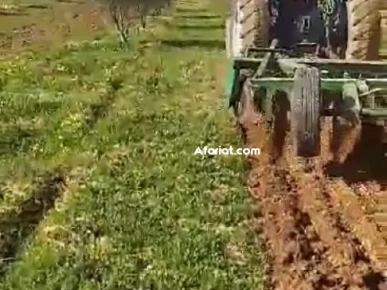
137 210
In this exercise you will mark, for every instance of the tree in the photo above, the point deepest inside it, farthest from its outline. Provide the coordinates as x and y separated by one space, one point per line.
151 8
123 16
128 14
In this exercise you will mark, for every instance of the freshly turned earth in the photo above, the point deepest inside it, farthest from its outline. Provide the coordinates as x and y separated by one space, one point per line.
315 224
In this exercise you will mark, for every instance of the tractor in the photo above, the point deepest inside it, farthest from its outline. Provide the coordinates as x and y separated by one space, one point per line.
324 56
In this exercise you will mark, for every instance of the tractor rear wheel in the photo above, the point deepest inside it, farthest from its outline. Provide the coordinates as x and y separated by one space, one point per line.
255 22
363 29
249 27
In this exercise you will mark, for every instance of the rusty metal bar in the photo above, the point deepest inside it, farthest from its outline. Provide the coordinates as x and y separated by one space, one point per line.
376 113
326 83
266 59
327 64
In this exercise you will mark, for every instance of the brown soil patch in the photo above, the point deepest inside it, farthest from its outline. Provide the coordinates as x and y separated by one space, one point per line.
312 235
51 26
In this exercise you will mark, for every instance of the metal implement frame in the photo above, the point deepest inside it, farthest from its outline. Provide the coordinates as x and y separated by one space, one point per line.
355 83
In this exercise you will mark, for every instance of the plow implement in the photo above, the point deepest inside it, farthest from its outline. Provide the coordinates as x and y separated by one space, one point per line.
311 89
320 118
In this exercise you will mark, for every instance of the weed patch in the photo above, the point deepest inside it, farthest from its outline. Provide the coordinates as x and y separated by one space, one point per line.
135 208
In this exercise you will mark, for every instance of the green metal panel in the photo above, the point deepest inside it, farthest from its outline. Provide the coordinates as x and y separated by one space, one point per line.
286 84
341 77
228 83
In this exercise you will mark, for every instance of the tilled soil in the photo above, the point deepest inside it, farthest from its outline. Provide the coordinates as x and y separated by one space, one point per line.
316 227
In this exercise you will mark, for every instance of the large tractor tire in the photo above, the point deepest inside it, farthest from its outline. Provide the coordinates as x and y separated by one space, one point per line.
363 29
248 26
383 30
255 23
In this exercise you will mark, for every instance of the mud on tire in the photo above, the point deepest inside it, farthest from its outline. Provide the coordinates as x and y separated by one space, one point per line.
363 29
255 23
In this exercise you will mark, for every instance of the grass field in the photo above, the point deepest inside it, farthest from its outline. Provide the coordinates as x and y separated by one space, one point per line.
99 185
29 24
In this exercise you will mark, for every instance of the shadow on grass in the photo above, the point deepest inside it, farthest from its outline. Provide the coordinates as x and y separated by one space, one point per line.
193 17
18 225
18 140
70 1
199 27
101 109
37 6
185 10
209 44
10 13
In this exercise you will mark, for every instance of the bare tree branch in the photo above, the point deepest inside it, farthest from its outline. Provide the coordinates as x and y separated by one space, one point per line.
128 14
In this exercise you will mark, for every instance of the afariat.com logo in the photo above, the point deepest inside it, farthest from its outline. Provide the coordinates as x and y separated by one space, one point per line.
226 151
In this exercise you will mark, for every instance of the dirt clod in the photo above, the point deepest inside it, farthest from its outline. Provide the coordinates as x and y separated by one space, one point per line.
311 242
